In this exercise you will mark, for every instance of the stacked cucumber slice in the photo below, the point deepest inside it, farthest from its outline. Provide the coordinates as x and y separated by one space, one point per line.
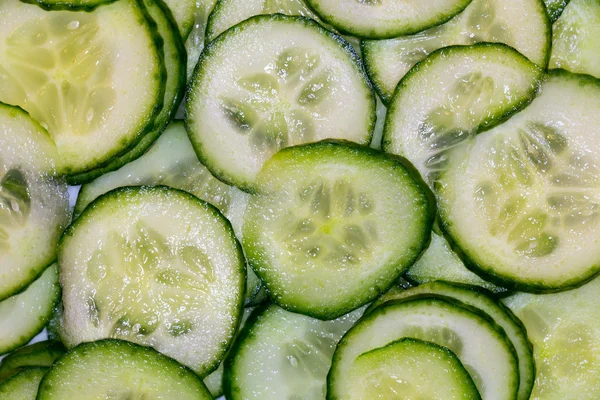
368 200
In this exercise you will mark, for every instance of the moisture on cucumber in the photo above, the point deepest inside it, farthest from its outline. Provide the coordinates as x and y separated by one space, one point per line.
41 354
23 385
555 8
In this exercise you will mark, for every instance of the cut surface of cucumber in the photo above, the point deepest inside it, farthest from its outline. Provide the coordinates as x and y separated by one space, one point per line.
155 266
95 95
334 225
380 19
196 39
271 82
555 8
183 12
282 355
468 88
522 201
69 5
522 24
564 329
576 38
116 369
34 205
24 385
483 349
24 315
414 368
41 354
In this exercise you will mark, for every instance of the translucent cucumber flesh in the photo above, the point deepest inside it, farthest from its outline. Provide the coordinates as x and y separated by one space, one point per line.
15 204
194 43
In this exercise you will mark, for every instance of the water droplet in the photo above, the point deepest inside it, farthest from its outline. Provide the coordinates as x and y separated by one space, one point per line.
293 361
90 114
73 25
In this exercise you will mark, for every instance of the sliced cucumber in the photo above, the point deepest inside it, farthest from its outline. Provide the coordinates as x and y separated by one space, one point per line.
452 95
374 19
24 385
155 266
416 369
41 354
439 262
334 225
564 329
95 95
282 355
24 315
576 38
34 205
555 8
183 11
196 39
522 201
115 369
522 24
256 91
482 348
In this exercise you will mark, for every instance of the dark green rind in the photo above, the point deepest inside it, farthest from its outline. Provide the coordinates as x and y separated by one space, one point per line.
260 296
19 386
55 378
365 50
555 8
68 5
395 31
41 354
214 47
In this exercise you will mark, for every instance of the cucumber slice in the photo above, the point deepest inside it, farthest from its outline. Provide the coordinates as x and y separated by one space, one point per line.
324 232
34 205
576 38
522 24
64 68
468 88
439 262
245 105
416 369
155 266
555 8
502 316
24 385
196 39
386 19
41 354
121 370
24 315
183 11
564 329
522 201
282 355
482 348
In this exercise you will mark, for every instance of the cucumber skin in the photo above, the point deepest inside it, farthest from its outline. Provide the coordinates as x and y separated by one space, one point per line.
85 5
11 365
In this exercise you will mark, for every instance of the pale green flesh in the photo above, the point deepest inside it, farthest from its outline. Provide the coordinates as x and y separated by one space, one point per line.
412 369
286 356
532 186
24 385
183 12
40 354
564 329
195 41
521 24
576 38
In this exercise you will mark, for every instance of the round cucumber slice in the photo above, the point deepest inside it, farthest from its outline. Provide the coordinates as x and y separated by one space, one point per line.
377 19
34 205
41 354
256 91
521 202
95 95
417 369
483 349
334 225
282 355
155 266
115 369
468 88
24 385
522 24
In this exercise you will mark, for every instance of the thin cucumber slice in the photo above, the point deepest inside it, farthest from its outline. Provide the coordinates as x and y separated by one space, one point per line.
381 112
555 8
446 99
483 349
24 385
374 19
24 315
324 231
564 329
522 24
417 369
155 266
282 355
183 11
576 38
64 68
502 316
41 354
196 39
522 201
439 262
115 369
68 5
34 205
243 106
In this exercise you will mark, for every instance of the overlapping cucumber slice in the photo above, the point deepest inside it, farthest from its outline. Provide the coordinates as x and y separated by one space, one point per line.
555 8
24 385
196 38
184 13
521 24
522 201
255 92
40 354
95 95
